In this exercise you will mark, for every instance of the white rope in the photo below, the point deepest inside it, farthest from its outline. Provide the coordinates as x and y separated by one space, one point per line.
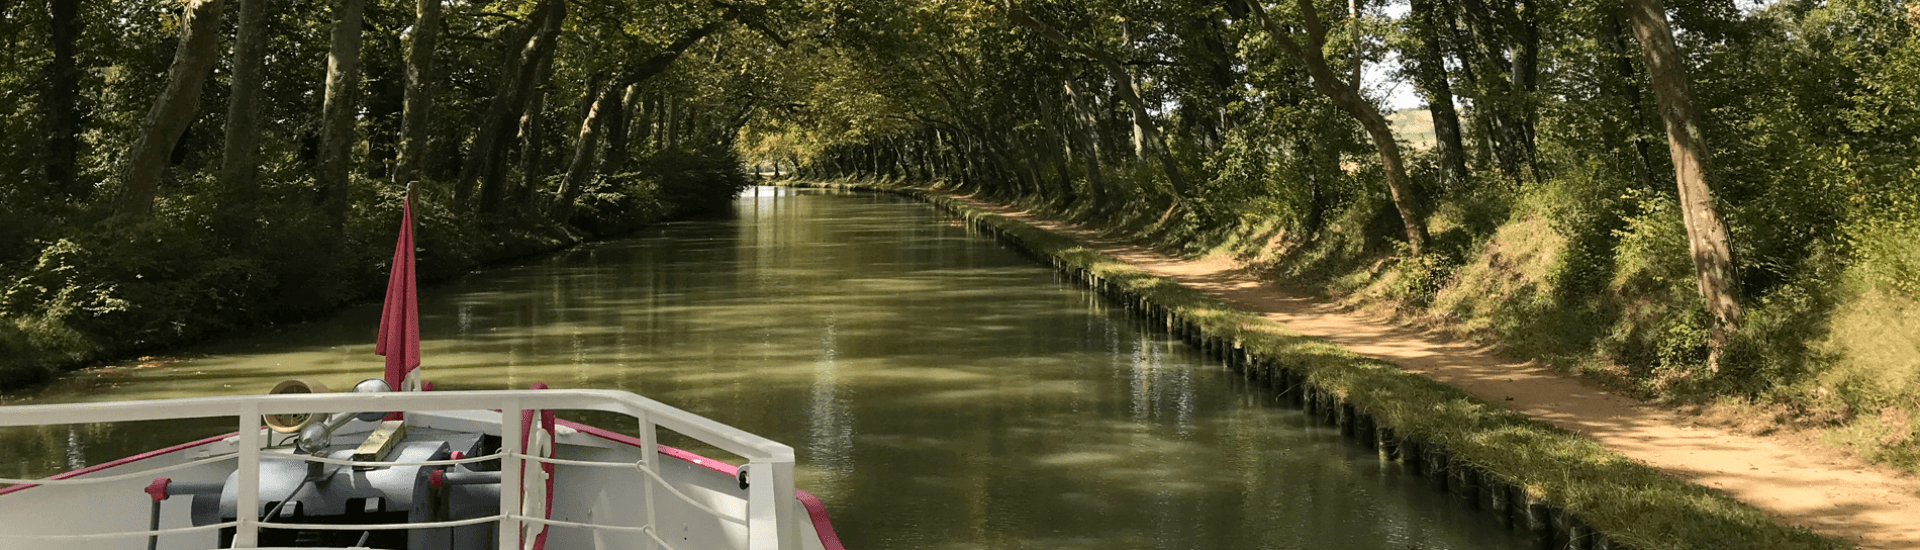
683 496
565 462
558 523
641 466
382 526
119 477
185 465
95 536
350 462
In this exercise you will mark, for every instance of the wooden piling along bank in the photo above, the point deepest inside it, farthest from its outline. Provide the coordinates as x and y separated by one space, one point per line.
1553 487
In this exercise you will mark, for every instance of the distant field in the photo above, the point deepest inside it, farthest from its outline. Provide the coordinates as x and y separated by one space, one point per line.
1415 126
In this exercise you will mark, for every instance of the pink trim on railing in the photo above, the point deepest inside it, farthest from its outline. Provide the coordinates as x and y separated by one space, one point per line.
121 462
701 461
816 510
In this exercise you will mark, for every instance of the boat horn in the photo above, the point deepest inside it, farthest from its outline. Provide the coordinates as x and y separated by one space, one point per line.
315 435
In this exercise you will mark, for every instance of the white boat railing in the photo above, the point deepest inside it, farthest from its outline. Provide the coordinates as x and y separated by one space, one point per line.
772 514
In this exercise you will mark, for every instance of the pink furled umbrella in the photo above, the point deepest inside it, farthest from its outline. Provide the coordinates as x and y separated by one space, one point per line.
399 338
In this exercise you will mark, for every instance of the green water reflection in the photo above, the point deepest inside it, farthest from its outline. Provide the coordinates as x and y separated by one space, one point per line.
941 391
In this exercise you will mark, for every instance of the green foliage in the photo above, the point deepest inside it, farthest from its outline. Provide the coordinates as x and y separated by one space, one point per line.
78 284
1660 331
602 204
1888 262
1888 102
154 281
122 287
695 181
672 183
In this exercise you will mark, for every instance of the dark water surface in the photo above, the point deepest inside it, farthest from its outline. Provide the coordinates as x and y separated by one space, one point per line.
940 390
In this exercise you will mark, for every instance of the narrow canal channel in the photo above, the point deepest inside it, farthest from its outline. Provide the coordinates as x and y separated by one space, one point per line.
941 391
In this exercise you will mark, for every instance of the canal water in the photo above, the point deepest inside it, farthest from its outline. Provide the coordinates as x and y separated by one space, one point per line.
940 390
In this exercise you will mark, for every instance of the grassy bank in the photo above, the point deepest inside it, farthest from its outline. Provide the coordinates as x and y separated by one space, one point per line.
1571 480
97 291
1829 343
1588 272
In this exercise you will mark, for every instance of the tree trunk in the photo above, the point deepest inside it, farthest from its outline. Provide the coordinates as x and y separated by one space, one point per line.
1526 82
1129 93
1056 143
663 60
1430 72
928 156
512 56
337 114
1629 81
605 109
617 125
1504 44
1213 119
1149 129
240 157
61 101
691 122
1139 134
646 112
173 110
416 120
581 169
535 66
1346 96
1312 166
1354 60
1706 232
931 158
1464 47
657 130
672 123
533 149
1089 144
384 97
970 152
896 168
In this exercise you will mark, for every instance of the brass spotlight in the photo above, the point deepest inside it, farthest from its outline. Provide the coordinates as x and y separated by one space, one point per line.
292 423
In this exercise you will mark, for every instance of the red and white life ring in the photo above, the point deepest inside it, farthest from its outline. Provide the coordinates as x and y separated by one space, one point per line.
536 483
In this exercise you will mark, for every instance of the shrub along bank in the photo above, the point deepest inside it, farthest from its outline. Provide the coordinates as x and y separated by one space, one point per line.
1435 427
112 289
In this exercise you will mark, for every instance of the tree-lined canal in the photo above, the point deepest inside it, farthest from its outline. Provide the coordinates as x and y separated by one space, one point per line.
940 390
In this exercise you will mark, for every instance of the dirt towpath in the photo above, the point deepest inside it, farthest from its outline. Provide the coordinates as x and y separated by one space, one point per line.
1821 489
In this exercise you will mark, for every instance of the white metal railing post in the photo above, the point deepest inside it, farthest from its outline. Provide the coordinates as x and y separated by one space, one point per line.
772 520
510 482
650 455
787 510
247 507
